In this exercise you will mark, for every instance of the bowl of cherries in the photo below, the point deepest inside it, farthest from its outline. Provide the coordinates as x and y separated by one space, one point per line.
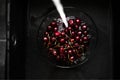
70 46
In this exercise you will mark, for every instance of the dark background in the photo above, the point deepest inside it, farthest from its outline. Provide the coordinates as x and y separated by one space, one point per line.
25 60
2 37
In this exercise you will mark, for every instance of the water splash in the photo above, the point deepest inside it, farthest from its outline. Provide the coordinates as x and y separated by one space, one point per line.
60 10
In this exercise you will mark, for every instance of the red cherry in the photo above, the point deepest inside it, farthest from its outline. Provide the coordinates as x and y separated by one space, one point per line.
53 39
55 29
72 58
84 27
46 33
69 28
69 51
66 30
83 45
72 40
85 38
74 51
45 39
57 34
72 33
61 49
76 45
79 33
68 46
49 28
71 22
77 21
50 49
76 27
58 57
85 33
54 52
63 33
62 40
81 40
54 24
77 38
66 52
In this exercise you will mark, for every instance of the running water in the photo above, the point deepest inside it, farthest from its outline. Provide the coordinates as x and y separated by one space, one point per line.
60 10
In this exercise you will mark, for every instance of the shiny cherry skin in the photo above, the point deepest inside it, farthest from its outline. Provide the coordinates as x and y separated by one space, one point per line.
84 27
77 20
45 39
71 22
54 24
57 34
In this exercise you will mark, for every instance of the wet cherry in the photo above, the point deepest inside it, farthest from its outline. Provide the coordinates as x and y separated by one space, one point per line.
57 34
69 51
84 27
45 39
55 29
71 22
54 24
77 21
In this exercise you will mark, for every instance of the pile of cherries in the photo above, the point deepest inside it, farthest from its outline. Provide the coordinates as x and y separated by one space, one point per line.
67 45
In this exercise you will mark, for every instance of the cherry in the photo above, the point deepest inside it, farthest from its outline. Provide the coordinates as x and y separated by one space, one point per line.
79 33
58 57
74 51
53 39
46 33
85 33
65 51
84 27
45 39
71 22
61 50
49 28
69 51
55 29
81 40
50 49
85 38
54 52
66 30
72 40
62 40
63 33
57 34
69 28
77 38
54 24
76 27
77 21
72 33
72 58
76 45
